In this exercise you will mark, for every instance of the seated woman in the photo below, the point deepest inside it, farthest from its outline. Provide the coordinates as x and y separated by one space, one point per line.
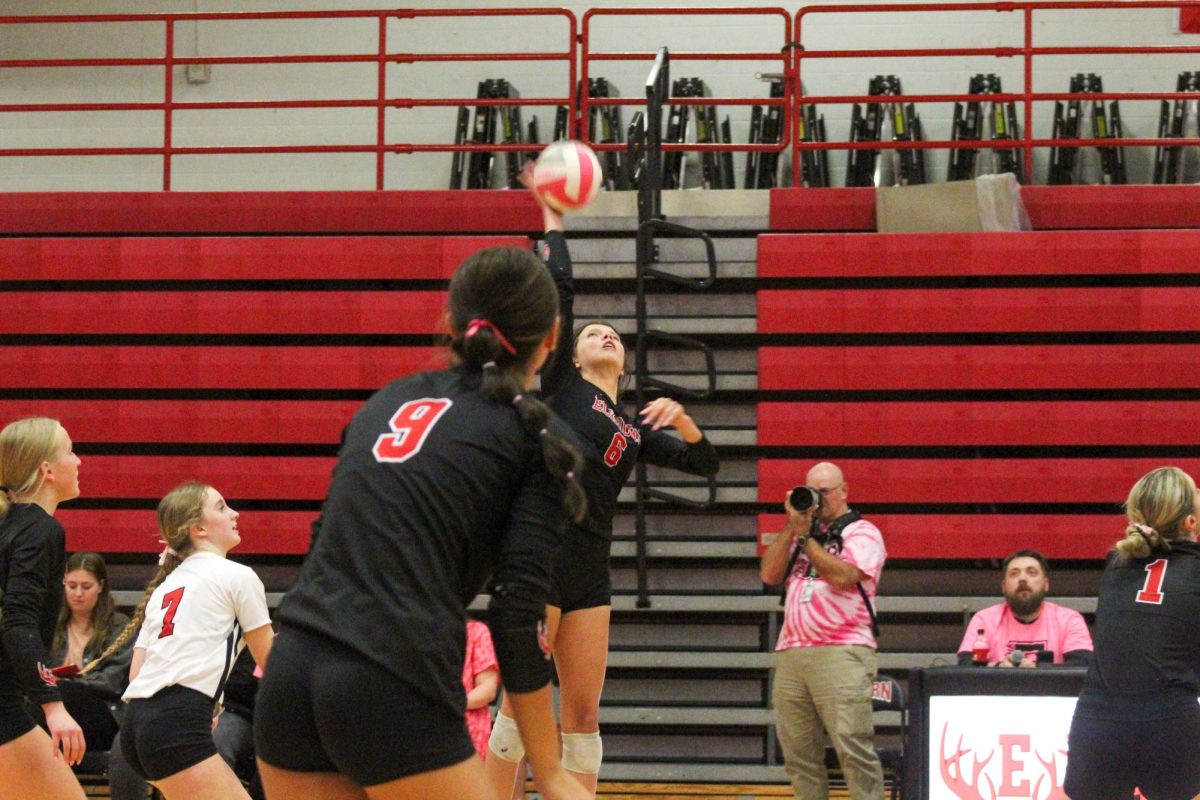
87 624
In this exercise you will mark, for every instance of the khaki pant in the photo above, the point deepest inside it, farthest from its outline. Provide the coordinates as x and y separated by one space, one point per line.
821 690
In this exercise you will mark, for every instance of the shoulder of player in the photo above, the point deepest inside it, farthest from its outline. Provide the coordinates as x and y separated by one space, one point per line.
28 519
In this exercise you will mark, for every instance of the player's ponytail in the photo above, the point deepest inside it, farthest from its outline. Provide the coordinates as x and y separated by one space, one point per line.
503 305
178 512
1157 508
24 445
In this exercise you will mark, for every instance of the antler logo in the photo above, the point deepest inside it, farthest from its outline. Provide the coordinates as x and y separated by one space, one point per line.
1013 770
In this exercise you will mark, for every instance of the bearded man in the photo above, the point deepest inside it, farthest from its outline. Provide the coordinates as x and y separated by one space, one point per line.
1043 632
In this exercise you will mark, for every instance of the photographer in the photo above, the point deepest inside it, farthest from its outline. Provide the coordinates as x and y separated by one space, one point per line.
830 560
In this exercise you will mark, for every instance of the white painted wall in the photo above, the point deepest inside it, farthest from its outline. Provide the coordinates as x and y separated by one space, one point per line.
739 33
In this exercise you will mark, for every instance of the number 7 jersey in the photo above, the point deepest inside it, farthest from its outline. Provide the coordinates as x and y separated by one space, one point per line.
194 622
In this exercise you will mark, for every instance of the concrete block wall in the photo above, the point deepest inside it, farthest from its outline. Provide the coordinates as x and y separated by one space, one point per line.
342 126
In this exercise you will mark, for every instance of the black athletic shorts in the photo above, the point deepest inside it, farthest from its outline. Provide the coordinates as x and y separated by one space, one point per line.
581 573
1109 758
165 734
15 721
324 708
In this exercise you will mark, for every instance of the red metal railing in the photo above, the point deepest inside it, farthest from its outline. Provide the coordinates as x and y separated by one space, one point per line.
782 54
1023 13
579 60
380 101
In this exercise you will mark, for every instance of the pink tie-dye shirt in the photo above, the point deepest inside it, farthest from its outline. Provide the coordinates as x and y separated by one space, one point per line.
816 613
480 657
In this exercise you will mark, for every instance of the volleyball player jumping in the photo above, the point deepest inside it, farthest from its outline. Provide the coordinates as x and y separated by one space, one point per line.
583 384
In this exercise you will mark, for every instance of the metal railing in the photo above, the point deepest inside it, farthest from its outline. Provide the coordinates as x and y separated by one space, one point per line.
1023 14
382 56
574 57
647 152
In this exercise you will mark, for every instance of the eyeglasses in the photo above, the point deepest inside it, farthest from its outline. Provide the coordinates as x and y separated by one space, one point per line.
825 492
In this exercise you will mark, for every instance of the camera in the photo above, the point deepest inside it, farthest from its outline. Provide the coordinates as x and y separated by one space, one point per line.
805 497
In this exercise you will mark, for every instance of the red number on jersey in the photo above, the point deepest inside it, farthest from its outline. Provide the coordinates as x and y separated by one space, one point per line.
1152 589
410 425
612 456
171 601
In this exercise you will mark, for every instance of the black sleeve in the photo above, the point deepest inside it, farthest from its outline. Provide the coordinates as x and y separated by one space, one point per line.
664 450
521 582
966 658
31 560
1078 658
560 369
110 678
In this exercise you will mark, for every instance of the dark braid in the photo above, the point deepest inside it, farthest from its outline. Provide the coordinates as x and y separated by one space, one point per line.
503 304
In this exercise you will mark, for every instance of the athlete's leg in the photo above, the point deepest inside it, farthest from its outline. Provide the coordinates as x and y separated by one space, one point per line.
28 768
465 780
505 773
211 778
282 784
581 656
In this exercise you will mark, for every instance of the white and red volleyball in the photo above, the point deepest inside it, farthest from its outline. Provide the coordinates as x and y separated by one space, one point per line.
567 175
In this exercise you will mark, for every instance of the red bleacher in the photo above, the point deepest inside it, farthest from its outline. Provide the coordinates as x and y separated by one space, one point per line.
941 394
123 339
1049 207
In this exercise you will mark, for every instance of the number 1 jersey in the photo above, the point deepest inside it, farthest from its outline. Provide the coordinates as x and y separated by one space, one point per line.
1147 657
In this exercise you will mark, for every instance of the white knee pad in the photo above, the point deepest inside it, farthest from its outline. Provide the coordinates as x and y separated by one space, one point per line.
582 752
505 741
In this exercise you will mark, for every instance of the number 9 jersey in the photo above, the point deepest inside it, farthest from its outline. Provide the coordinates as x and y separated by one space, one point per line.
194 622
436 489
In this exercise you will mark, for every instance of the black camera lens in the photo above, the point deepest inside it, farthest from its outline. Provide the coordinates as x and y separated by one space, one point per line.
804 497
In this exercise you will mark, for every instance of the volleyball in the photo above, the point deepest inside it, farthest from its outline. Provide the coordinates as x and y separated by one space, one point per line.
567 175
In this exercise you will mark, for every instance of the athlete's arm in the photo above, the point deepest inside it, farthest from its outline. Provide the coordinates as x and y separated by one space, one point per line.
559 367
31 559
135 665
695 455
487 684
259 641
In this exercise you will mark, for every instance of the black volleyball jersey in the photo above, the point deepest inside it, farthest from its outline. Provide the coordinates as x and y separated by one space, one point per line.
33 556
612 441
1146 663
436 489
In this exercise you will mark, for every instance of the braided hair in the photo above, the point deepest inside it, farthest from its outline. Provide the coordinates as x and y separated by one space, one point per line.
178 512
503 304
1157 507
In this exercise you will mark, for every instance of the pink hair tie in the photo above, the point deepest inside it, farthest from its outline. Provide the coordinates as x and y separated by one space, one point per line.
1144 530
474 326
167 551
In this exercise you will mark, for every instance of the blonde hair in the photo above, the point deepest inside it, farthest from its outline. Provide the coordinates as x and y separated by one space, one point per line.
1157 506
24 446
178 512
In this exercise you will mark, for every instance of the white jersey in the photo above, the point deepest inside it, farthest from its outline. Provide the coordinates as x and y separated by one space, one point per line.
192 633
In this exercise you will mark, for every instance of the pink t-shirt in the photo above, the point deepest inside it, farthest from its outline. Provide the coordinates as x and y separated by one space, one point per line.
816 613
481 656
1057 629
